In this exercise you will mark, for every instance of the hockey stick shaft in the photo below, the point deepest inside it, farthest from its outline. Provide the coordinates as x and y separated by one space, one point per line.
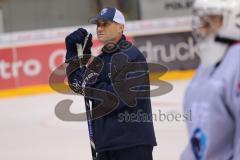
87 103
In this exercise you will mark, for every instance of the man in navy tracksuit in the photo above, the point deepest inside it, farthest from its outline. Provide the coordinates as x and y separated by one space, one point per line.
122 133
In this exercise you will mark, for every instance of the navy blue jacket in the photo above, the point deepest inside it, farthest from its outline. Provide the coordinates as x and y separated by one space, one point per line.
125 126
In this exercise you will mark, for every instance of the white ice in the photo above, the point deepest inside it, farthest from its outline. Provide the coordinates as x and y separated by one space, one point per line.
29 129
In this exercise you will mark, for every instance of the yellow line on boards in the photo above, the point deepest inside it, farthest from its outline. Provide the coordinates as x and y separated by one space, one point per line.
24 91
40 89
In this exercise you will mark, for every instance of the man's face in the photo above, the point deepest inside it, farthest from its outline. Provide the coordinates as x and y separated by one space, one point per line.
109 31
208 25
211 24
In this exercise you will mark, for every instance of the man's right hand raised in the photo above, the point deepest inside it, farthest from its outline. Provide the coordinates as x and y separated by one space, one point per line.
71 41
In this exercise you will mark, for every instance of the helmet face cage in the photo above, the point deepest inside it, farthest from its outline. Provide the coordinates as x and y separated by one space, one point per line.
202 21
228 9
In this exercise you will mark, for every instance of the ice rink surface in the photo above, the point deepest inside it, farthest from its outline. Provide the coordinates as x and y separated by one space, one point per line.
30 130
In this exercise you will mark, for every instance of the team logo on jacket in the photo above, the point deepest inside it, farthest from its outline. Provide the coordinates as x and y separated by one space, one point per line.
199 143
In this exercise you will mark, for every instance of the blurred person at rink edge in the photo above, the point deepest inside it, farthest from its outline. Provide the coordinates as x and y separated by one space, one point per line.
213 95
114 140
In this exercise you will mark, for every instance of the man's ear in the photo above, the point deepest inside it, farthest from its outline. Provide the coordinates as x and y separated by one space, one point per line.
120 28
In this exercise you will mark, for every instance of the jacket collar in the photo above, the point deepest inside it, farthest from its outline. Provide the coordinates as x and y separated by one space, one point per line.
113 47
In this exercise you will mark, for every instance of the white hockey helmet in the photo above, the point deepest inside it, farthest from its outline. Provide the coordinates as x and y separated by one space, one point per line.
228 9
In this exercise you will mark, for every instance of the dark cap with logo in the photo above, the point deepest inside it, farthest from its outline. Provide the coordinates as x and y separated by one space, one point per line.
109 14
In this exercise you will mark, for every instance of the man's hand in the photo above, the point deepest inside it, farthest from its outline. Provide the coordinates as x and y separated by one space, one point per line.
71 41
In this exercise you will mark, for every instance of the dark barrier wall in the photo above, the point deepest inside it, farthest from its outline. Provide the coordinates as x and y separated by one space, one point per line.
177 51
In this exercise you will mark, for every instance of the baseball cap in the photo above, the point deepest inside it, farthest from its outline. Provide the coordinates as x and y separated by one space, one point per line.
110 14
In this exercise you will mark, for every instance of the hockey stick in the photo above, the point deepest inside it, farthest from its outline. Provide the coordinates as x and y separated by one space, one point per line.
80 50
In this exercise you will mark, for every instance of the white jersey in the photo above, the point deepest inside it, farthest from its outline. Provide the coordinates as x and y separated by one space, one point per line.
213 97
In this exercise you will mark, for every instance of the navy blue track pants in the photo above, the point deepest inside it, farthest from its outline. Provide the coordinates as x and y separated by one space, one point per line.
143 152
